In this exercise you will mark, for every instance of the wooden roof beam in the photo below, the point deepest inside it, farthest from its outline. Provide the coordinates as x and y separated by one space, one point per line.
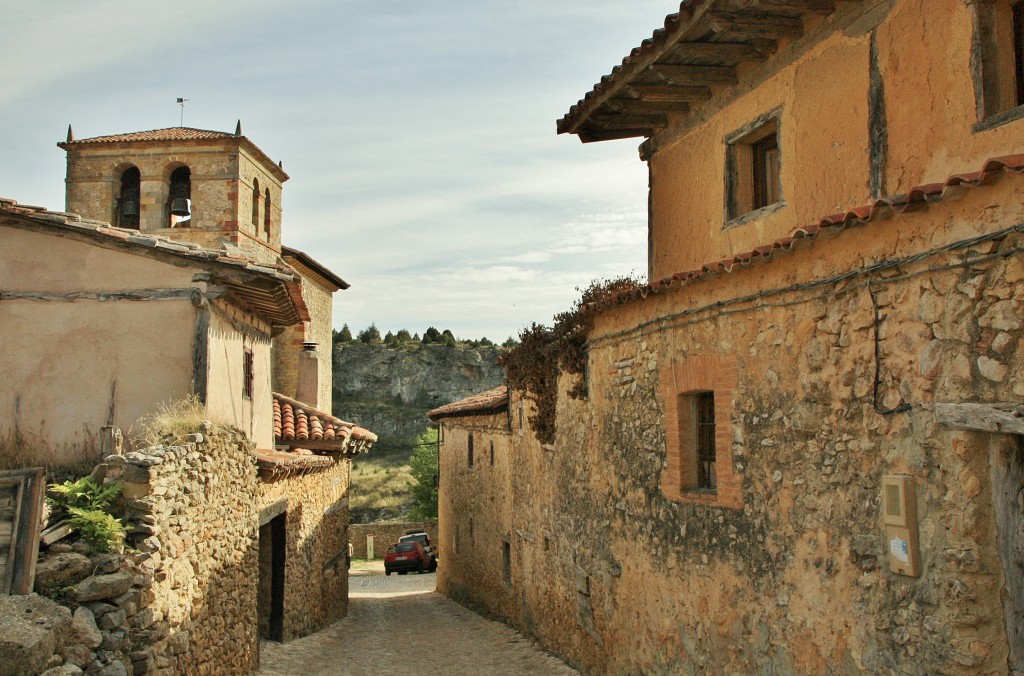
695 75
751 25
732 52
641 107
813 6
628 121
670 92
590 134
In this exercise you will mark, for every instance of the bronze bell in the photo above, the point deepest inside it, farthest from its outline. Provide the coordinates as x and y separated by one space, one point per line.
129 208
180 207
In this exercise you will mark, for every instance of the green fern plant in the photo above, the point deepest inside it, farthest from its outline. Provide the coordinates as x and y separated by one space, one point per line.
102 531
87 507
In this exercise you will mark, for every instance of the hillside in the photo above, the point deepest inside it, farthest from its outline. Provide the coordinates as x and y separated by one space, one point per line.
389 389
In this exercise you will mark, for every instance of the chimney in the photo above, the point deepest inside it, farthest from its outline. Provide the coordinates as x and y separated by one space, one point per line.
307 385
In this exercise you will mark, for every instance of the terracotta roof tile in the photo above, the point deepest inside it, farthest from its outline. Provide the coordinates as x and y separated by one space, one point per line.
277 465
168 134
494 400
917 198
295 423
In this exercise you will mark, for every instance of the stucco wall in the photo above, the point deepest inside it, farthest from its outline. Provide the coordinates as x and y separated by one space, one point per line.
288 344
822 90
71 364
224 400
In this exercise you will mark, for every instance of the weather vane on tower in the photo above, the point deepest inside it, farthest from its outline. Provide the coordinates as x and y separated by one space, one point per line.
182 102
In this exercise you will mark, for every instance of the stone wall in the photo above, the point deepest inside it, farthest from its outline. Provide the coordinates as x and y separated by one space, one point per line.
386 534
315 508
785 568
192 514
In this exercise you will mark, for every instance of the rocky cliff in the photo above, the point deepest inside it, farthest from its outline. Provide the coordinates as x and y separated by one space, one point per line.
389 389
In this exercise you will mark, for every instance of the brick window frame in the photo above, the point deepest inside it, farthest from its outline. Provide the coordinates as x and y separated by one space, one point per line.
680 382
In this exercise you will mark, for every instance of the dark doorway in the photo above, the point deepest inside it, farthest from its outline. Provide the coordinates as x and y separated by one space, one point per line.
1006 457
271 594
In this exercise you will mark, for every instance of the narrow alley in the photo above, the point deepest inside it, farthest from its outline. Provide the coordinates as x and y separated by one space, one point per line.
400 622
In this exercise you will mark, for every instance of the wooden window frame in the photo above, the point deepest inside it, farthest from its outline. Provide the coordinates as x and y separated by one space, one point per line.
997 62
753 170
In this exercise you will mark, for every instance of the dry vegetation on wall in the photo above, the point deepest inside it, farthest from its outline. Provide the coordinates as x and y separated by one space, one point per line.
172 422
534 364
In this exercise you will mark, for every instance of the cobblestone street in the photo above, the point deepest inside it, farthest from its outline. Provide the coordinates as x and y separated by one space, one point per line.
399 622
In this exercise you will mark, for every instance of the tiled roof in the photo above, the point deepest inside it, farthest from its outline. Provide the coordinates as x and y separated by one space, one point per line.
494 400
276 465
698 48
918 198
315 266
177 134
296 423
168 134
273 290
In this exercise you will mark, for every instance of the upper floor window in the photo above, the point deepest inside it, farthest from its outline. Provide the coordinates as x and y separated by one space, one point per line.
469 451
248 372
753 167
255 201
266 214
128 202
998 61
179 198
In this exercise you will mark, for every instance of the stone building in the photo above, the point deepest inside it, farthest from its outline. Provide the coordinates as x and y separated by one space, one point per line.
798 448
187 294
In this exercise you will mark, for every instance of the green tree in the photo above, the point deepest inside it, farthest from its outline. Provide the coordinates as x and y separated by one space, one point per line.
403 336
343 336
511 342
371 334
484 342
423 467
389 339
432 335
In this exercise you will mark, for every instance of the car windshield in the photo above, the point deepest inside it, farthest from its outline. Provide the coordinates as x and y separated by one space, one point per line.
406 547
421 537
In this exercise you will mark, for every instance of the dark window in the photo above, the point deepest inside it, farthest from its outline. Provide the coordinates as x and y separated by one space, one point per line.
506 561
247 374
469 455
266 214
492 453
753 167
765 158
1018 49
705 428
128 203
255 201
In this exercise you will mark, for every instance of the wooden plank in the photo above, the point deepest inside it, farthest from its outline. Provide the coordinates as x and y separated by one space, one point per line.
699 75
27 487
1006 418
626 120
667 92
750 25
719 52
55 533
642 107
812 6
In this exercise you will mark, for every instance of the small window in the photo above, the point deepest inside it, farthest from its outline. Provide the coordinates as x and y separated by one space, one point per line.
522 426
469 453
255 201
506 561
492 453
266 214
998 61
247 374
705 442
753 166
471 530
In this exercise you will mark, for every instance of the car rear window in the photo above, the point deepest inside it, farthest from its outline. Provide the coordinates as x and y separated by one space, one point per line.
392 549
406 547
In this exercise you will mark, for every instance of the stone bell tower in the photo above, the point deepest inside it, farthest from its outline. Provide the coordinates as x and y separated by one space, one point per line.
201 186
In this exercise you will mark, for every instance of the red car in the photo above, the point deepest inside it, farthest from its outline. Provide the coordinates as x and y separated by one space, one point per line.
405 556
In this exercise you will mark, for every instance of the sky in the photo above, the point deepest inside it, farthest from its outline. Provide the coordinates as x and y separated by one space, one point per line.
420 137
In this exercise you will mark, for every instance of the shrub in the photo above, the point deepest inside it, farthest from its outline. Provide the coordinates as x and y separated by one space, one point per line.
101 530
87 505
